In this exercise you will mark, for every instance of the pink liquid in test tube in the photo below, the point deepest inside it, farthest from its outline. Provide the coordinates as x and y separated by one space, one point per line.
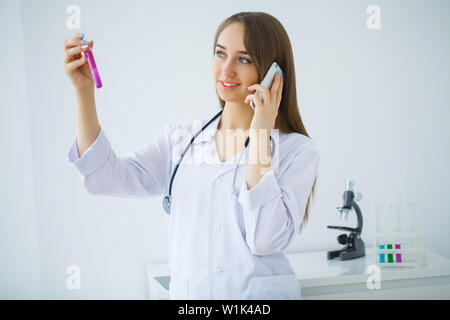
93 67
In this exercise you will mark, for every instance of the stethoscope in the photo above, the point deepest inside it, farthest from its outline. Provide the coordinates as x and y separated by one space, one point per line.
167 201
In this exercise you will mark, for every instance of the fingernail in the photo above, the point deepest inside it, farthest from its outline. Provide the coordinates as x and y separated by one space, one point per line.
82 54
83 41
81 35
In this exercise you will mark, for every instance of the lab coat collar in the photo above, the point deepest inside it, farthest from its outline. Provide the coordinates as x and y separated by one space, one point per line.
209 133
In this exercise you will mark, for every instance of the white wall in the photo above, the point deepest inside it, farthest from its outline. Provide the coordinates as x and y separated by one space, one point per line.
374 102
19 241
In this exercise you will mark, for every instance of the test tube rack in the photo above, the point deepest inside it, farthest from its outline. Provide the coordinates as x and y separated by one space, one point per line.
399 249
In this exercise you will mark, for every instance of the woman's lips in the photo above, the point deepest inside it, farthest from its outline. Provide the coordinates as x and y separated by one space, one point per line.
228 88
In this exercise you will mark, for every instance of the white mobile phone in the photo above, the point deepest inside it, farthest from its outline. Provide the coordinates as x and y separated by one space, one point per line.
268 80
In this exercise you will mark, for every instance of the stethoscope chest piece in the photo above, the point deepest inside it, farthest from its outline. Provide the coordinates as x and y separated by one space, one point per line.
167 200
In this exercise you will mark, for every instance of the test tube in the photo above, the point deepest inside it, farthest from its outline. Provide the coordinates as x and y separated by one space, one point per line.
94 70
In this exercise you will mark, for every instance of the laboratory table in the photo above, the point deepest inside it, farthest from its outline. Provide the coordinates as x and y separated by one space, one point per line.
355 279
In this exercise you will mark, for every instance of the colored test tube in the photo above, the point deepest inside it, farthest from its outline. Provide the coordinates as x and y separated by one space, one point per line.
93 67
390 258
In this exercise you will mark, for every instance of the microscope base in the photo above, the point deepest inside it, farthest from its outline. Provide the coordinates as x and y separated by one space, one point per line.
358 250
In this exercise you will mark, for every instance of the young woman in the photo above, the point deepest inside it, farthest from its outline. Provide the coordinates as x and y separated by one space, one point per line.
229 220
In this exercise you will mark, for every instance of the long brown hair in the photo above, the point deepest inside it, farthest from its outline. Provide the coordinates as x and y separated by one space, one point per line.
266 40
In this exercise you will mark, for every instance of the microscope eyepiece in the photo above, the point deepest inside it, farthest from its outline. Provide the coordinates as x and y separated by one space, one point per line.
349 185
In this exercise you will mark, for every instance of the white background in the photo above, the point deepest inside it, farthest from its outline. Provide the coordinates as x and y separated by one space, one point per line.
375 102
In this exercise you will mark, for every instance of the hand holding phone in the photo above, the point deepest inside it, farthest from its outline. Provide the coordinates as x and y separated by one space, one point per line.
268 80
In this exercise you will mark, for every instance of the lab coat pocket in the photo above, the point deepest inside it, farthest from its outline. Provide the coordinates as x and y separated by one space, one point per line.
178 290
279 287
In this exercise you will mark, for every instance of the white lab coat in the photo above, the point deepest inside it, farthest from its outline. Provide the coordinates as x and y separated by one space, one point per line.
221 246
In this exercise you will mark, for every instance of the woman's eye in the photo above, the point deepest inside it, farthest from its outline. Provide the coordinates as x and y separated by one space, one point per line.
248 61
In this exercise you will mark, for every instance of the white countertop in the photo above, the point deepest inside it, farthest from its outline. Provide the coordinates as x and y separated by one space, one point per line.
313 269
321 278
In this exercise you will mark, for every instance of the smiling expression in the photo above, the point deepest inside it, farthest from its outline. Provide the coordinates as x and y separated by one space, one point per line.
232 65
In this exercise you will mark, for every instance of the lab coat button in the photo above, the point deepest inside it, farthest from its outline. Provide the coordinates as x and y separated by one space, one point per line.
218 227
218 271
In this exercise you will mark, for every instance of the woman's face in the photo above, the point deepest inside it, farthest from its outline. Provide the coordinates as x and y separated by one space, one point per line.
230 65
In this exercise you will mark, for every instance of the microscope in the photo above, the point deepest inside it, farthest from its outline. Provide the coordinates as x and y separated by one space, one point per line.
354 246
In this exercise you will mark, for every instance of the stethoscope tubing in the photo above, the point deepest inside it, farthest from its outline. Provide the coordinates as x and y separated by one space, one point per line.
168 199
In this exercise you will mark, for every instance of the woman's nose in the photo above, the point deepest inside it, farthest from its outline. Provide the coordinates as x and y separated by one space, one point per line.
228 68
